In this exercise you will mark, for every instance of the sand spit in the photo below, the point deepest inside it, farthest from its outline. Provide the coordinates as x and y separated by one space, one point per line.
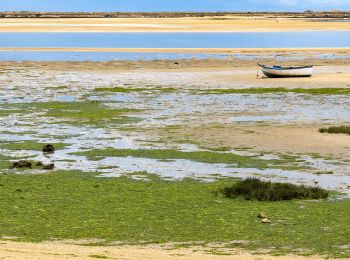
228 23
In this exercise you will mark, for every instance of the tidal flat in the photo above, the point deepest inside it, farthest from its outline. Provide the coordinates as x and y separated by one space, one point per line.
125 132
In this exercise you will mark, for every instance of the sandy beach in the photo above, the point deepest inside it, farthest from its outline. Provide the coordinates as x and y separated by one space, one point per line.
191 24
61 250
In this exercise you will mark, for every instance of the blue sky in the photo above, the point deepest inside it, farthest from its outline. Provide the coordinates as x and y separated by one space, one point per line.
172 5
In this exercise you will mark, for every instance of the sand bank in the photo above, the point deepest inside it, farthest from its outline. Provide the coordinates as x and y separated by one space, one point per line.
191 24
232 72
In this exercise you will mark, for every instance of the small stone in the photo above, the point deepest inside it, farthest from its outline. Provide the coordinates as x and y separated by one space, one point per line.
261 215
49 148
49 166
266 221
21 164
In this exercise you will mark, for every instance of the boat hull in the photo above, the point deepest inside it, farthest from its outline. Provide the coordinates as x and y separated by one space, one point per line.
286 72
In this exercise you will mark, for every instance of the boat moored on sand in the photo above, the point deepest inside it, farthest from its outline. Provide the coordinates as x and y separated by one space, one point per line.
283 72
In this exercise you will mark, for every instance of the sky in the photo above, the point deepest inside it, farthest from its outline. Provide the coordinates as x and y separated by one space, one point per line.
172 5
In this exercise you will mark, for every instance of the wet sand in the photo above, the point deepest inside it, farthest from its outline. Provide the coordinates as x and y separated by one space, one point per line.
227 23
277 138
60 250
231 72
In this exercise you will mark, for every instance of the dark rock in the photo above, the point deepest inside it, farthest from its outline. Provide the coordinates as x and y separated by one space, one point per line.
49 166
39 164
49 148
21 164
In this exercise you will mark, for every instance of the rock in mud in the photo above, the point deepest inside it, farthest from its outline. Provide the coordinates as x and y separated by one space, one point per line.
21 164
261 215
49 148
266 221
49 166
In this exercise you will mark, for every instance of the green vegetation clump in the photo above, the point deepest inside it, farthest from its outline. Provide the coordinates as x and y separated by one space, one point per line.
76 205
90 112
121 89
5 161
336 130
255 189
98 256
128 90
28 145
315 91
7 112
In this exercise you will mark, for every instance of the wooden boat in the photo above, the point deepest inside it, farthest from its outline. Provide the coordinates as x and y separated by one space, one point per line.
282 72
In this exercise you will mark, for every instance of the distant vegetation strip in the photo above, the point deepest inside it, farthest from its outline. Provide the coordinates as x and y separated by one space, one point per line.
306 14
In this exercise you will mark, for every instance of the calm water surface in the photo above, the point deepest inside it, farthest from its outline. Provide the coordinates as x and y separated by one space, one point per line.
97 56
302 39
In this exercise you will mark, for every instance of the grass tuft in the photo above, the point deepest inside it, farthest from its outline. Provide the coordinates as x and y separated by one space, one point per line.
255 189
336 130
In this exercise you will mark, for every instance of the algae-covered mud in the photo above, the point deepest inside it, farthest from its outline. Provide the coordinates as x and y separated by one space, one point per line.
168 123
140 150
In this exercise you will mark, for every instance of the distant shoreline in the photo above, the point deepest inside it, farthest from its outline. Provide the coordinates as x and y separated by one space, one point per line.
182 50
306 14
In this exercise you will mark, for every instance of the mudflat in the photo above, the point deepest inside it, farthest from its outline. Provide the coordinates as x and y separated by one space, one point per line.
220 76
195 118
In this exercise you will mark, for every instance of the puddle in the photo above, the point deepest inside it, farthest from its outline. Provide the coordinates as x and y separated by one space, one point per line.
178 169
